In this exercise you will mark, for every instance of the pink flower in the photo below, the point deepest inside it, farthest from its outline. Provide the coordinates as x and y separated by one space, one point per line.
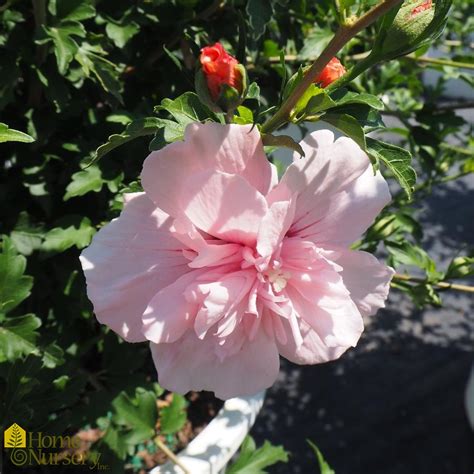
223 269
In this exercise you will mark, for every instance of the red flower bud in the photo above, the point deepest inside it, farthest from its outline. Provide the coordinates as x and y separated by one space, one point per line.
333 71
220 68
421 8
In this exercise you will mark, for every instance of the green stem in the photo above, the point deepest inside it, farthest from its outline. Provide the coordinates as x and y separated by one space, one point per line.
341 12
173 458
443 108
457 149
439 62
453 177
344 34
39 11
442 284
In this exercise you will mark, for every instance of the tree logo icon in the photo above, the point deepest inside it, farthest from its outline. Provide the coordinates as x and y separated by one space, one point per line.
14 437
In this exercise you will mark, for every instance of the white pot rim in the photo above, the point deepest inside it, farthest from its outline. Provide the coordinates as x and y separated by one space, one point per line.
214 446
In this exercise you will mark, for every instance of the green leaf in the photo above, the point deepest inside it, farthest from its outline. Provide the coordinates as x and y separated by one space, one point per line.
259 15
343 97
26 236
315 43
9 135
424 294
314 100
61 382
396 222
253 91
14 285
52 356
397 160
85 181
324 467
135 129
64 47
169 132
318 103
187 108
348 125
138 414
254 461
121 34
18 336
72 233
55 87
115 440
369 118
468 166
245 116
73 9
282 140
173 417
460 267
97 67
292 82
407 253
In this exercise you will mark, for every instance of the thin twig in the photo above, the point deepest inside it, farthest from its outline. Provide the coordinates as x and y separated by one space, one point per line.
438 61
442 284
344 34
173 458
469 104
356 57
35 88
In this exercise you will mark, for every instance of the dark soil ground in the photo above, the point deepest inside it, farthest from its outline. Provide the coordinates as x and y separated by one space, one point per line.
394 404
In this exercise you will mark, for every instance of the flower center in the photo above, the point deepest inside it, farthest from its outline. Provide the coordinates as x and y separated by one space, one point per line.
267 271
277 277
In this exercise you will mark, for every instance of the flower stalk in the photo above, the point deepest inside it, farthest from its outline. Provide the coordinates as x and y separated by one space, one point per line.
173 458
442 284
343 35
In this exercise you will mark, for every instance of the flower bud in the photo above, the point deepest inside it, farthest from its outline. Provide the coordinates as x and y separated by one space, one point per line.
332 72
222 77
415 25
421 8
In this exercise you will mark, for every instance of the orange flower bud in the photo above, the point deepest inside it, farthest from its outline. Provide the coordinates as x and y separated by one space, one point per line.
220 68
333 71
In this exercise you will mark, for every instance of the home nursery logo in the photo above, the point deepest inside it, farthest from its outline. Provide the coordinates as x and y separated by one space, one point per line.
37 448
14 437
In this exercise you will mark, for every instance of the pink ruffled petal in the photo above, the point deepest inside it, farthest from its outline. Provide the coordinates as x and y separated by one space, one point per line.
274 226
311 351
169 313
128 261
346 215
192 364
216 253
224 206
366 278
221 299
332 314
233 149
326 175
